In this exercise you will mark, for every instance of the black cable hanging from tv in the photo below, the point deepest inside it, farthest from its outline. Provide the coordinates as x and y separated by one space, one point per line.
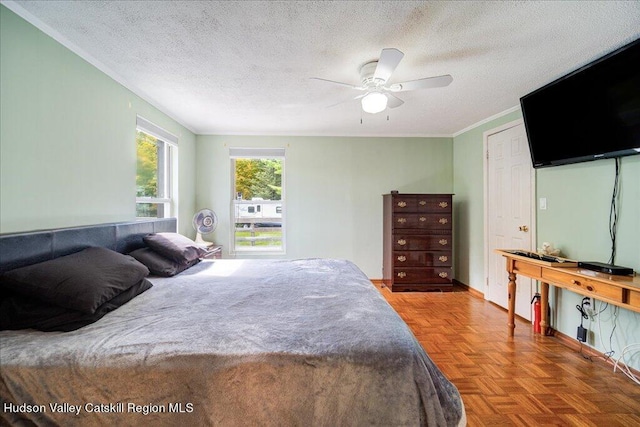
613 212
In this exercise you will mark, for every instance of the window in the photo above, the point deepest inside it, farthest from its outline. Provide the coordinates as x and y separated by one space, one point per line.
156 153
258 200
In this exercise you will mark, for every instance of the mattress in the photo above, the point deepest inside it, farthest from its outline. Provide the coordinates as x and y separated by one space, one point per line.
232 343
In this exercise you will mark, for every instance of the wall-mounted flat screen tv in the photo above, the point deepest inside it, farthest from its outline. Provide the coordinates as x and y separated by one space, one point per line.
592 113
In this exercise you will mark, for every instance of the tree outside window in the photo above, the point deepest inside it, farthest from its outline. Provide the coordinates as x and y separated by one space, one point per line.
152 176
258 204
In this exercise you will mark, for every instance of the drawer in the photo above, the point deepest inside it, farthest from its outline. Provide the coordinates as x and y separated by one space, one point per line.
423 221
434 204
420 258
428 203
404 204
422 275
528 269
407 242
583 285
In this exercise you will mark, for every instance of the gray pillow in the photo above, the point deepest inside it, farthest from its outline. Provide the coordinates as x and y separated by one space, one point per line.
175 246
81 281
20 312
159 265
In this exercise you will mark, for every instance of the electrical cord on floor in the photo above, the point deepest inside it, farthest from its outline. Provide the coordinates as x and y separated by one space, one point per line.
624 368
607 357
584 356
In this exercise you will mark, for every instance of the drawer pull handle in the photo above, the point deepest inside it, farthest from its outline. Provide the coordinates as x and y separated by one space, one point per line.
423 218
402 274
590 288
422 203
402 258
443 204
443 242
402 220
575 282
443 274
443 221
402 242
443 258
402 204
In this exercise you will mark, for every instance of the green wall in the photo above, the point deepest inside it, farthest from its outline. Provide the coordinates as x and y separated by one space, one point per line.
468 186
67 137
333 188
576 220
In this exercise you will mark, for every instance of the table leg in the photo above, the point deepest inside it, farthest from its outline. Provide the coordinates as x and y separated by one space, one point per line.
544 307
511 287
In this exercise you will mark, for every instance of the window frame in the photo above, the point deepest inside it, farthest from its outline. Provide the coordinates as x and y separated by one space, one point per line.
256 153
167 169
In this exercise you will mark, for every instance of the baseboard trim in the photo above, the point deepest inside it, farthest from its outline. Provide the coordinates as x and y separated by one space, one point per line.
474 292
378 283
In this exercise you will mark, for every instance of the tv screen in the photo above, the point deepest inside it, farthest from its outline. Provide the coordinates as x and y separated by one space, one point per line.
592 113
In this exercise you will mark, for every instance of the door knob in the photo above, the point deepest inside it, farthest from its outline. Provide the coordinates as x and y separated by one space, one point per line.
523 228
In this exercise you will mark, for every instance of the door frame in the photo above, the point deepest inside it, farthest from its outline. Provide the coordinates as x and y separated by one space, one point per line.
485 168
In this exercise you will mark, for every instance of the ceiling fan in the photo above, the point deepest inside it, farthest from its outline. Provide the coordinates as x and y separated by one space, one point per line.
378 94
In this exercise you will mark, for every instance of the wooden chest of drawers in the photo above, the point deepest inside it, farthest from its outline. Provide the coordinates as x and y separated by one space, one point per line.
417 243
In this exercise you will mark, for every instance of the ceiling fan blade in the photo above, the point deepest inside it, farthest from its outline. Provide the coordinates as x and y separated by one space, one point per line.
347 100
393 101
338 83
389 60
427 83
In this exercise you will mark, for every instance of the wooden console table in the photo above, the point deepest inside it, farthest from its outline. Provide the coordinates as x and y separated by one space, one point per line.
622 291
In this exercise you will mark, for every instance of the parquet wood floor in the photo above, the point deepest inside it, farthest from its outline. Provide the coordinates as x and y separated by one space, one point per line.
527 380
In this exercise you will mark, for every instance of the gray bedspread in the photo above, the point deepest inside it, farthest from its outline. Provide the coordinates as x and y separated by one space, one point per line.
233 343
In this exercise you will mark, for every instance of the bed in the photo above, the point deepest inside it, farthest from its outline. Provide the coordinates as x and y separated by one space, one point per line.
225 343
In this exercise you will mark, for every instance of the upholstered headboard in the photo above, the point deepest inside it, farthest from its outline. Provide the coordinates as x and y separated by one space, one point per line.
20 249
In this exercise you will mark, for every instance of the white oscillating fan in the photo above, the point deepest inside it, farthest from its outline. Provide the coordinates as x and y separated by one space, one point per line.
205 221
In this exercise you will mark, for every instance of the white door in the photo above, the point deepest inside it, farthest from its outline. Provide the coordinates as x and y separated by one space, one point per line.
509 220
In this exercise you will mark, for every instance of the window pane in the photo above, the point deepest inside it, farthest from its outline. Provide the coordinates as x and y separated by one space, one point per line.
154 170
259 178
150 167
150 210
258 237
258 204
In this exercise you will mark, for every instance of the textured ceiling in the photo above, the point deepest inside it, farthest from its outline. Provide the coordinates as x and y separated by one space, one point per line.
223 67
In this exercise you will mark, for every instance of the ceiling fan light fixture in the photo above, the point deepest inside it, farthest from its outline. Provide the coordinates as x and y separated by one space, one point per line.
374 102
377 95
